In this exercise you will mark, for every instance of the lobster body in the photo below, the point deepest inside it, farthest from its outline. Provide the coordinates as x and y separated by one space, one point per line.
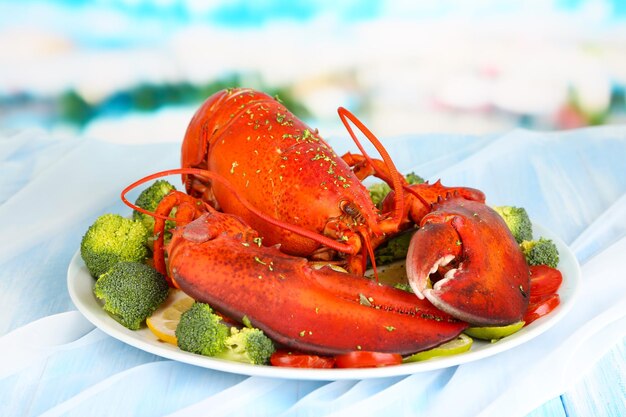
256 174
282 166
217 260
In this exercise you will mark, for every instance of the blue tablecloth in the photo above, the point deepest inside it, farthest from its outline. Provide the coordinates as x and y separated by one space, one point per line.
53 362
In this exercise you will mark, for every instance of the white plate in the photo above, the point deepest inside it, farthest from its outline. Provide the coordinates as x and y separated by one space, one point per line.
80 285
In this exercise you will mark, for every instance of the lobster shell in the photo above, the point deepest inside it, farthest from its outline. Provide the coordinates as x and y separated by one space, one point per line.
216 260
281 165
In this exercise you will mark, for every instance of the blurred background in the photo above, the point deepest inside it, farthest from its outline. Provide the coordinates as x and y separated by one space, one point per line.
136 70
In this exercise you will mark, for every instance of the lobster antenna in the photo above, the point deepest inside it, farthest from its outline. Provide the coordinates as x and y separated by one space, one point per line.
370 252
321 239
136 207
345 115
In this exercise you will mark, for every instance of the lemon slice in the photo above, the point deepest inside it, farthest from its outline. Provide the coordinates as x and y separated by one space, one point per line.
494 333
461 344
164 320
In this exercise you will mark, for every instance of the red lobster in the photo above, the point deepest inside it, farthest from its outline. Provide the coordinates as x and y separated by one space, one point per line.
276 181
313 204
217 258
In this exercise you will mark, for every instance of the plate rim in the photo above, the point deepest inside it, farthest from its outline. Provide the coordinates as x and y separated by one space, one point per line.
144 340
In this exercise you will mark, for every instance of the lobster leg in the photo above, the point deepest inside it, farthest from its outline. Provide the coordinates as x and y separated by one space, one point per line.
188 209
366 167
321 311
419 197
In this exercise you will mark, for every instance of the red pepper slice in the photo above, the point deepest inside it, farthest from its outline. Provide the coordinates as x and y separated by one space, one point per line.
300 360
365 359
540 309
544 282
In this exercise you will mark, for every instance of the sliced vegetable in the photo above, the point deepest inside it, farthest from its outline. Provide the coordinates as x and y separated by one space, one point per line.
300 360
544 282
461 344
494 333
540 309
164 320
365 359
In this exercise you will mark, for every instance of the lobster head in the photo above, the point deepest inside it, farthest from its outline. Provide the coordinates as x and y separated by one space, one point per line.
286 171
210 119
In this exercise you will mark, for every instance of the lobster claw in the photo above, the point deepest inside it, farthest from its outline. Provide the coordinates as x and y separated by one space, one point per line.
321 311
483 276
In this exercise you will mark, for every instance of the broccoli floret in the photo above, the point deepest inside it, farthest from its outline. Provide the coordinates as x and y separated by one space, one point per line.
131 292
540 252
413 178
404 286
149 199
379 191
518 222
202 331
248 345
394 249
112 239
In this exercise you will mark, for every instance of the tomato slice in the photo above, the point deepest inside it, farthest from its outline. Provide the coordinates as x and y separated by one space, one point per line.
365 359
540 309
300 360
544 281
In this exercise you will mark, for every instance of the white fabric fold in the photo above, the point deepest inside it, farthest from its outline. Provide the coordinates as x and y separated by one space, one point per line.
322 399
562 368
42 338
384 396
340 395
86 395
603 232
83 183
237 397
26 154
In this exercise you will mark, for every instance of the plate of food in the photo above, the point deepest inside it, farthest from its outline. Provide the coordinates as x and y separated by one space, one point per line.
81 289
285 197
